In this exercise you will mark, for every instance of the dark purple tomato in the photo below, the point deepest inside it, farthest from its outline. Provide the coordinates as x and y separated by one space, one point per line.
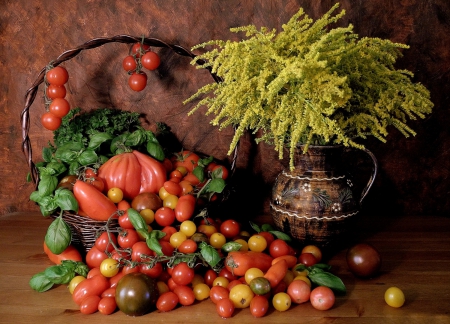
363 260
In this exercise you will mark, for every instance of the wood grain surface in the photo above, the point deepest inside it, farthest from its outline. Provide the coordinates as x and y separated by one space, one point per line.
414 172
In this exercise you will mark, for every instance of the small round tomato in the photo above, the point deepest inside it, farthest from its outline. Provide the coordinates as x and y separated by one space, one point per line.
59 107
257 243
230 228
268 236
140 251
172 188
241 295
278 248
314 250
107 305
148 215
308 259
182 274
50 121
109 267
185 295
57 75
225 307
363 260
127 238
209 277
188 227
299 291
105 242
138 49
74 283
165 216
150 60
217 240
169 231
221 281
89 305
281 301
176 239
322 298
220 172
259 306
166 248
129 63
167 301
151 271
260 285
170 201
137 81
253 273
201 291
208 230
94 257
217 293
115 194
394 297
56 91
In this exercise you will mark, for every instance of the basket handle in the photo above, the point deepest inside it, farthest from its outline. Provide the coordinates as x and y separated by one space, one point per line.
69 54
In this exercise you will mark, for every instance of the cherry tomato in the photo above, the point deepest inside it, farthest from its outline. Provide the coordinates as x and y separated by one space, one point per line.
140 251
394 297
278 248
322 298
363 260
230 228
201 291
110 292
186 187
130 268
257 243
260 285
220 171
221 281
148 215
56 91
94 257
129 63
94 286
50 121
89 305
299 291
167 301
281 301
57 76
225 308
253 273
217 240
177 239
308 259
115 194
74 283
268 236
127 238
166 247
208 230
170 201
164 216
109 267
59 107
185 295
107 305
103 242
241 295
94 272
314 250
182 274
259 306
185 207
138 49
172 188
151 271
209 277
169 230
217 293
150 60
114 280
137 81
188 227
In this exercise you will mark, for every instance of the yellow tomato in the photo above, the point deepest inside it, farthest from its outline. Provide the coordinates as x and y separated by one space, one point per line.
253 273
74 283
115 194
148 215
304 278
241 295
394 297
281 301
257 243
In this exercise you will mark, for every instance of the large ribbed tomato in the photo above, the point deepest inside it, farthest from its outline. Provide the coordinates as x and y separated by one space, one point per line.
133 172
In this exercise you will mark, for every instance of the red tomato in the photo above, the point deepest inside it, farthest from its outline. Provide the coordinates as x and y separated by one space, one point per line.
127 238
94 203
150 60
363 260
225 308
185 295
172 187
167 301
182 274
140 249
70 253
268 236
50 121
239 262
110 292
103 242
153 173
227 274
130 268
59 107
230 228
94 257
220 171
314 250
137 81
114 280
279 248
185 208
57 75
97 182
94 272
89 305
308 259
107 305
56 91
94 286
152 272
165 216
259 306
322 298
187 159
299 291
169 230
209 276
129 63
139 49
188 246
166 247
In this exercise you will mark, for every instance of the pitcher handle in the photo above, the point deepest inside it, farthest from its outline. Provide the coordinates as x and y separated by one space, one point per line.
372 176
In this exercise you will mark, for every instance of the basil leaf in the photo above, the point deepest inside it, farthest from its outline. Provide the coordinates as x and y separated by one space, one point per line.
199 172
157 234
98 139
322 266
209 254
231 246
47 184
59 274
87 157
255 227
137 220
215 185
47 154
40 282
73 167
267 228
58 236
65 199
204 162
154 245
47 205
156 151
136 138
80 268
118 143
57 167
281 235
69 152
329 280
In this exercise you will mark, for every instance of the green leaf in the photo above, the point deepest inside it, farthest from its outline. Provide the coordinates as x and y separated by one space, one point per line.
57 167
59 274
267 228
47 154
137 220
118 142
73 167
47 205
205 161
58 236
321 266
87 157
69 152
65 199
154 245
255 227
80 268
231 246
136 138
47 185
209 254
299 267
281 235
157 234
40 282
329 280
215 185
98 139
199 172
156 151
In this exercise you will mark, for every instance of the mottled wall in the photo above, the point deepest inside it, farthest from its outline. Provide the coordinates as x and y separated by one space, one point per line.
413 175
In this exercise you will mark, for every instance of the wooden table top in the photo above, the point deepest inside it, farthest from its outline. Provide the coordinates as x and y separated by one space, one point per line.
415 253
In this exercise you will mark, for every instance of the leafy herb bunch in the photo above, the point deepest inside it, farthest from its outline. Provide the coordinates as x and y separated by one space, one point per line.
309 84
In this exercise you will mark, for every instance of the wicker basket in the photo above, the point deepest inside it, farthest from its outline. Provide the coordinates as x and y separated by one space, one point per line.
84 230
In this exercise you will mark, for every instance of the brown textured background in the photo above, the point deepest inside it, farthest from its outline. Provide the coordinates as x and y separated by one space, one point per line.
414 172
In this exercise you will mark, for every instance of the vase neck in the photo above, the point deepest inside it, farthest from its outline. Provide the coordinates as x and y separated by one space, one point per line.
318 160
